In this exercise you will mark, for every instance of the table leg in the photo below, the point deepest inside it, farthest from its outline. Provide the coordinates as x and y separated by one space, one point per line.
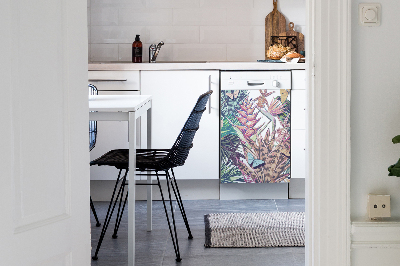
132 190
149 178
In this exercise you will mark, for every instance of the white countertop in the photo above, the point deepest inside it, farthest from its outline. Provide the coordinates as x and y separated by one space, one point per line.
196 66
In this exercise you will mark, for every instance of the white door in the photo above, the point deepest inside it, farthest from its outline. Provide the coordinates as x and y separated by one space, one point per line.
44 172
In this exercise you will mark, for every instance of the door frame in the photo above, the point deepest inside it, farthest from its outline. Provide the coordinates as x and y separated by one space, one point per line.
328 51
328 221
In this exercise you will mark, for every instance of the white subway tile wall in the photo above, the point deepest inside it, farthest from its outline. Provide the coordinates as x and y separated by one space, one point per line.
199 52
170 35
115 34
106 16
103 52
192 30
125 52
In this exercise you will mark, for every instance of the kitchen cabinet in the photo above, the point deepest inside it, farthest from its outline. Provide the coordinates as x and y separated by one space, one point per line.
298 124
112 134
174 96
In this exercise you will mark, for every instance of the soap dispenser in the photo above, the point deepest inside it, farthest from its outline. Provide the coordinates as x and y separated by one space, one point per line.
137 50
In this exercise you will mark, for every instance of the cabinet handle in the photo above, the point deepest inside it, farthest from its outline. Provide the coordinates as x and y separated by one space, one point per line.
209 99
100 80
254 83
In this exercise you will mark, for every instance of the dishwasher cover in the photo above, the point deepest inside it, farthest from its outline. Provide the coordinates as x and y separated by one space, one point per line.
255 136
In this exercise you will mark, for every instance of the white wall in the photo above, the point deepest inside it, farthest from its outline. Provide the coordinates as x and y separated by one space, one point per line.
193 30
375 119
375 108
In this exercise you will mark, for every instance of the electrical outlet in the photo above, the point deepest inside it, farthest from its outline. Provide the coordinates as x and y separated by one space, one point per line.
378 206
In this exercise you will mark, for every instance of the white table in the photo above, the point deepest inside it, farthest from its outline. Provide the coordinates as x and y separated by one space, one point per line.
127 108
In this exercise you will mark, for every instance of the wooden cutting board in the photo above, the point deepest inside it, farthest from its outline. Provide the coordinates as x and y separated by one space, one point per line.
275 23
292 32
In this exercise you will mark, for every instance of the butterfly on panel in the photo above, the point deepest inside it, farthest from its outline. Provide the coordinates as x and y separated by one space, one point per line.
253 162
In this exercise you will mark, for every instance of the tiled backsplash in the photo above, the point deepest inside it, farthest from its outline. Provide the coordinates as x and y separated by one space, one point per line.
192 30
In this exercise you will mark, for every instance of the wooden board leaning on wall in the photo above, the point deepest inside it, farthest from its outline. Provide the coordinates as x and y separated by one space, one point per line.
292 32
275 23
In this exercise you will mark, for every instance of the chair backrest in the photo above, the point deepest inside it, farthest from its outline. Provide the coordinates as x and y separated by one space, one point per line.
92 124
180 150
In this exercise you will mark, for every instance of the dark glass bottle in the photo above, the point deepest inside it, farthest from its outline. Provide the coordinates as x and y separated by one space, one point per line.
137 50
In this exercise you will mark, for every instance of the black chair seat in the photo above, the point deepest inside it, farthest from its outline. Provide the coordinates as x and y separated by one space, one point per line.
146 159
117 158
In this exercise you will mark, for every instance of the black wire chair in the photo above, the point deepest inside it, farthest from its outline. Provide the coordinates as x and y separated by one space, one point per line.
92 124
154 160
92 143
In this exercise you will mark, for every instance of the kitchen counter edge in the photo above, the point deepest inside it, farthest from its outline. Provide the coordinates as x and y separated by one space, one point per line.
195 66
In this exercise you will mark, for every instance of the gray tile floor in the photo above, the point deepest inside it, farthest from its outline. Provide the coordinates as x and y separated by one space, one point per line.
155 248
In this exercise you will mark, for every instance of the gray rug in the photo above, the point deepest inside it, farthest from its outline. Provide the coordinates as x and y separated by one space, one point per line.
271 229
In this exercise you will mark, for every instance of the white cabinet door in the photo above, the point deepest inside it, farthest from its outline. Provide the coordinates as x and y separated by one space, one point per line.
298 124
298 79
298 154
44 174
298 109
174 96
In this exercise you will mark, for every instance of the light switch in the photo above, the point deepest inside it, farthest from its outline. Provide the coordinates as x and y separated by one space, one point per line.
369 14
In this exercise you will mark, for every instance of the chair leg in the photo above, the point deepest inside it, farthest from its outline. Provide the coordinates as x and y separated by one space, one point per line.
94 213
174 185
120 211
174 239
172 214
109 213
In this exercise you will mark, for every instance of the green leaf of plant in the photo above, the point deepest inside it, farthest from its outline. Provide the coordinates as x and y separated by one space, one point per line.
394 170
396 139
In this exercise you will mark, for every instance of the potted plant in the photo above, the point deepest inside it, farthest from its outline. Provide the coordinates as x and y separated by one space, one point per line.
394 170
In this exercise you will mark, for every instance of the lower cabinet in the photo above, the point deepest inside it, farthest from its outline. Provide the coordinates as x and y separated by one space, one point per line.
298 138
174 96
298 125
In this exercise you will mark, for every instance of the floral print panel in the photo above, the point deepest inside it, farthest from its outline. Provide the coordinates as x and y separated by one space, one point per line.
255 136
